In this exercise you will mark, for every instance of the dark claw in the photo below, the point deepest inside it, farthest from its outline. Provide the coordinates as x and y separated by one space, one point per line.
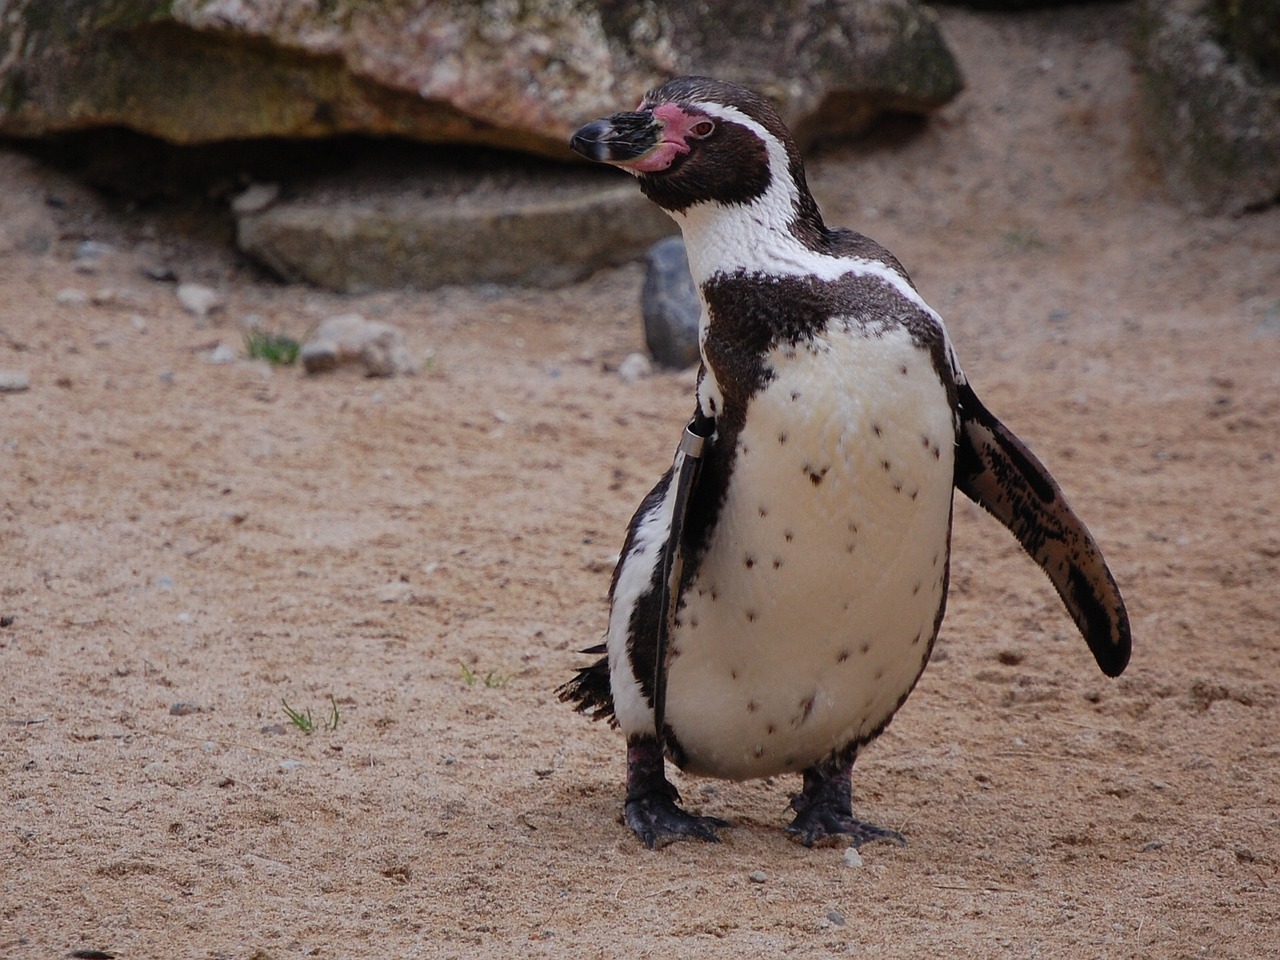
658 820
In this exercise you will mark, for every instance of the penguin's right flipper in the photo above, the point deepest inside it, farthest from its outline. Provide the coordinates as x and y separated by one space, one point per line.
996 471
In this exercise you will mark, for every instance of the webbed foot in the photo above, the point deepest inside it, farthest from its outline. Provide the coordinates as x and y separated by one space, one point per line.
652 809
658 820
824 811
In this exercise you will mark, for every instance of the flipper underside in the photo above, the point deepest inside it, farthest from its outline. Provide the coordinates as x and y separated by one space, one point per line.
996 471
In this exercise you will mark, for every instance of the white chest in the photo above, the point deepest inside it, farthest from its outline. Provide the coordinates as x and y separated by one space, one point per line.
812 613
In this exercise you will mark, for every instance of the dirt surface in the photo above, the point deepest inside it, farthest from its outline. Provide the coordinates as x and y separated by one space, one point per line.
430 552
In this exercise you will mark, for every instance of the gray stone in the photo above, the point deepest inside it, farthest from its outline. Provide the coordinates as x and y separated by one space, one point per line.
670 305
1013 5
256 198
852 858
635 366
1210 115
197 299
516 74
452 221
71 297
351 340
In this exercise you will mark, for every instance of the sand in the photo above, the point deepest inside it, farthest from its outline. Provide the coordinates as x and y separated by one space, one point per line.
189 545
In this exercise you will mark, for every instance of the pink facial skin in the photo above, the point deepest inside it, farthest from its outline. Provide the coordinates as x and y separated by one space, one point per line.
677 129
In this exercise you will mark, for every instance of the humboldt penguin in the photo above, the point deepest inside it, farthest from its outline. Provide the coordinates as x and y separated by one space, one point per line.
780 589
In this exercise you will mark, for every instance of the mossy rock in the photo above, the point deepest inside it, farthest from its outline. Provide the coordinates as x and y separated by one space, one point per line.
1209 114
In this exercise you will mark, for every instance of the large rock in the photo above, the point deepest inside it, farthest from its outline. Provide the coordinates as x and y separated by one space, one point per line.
441 222
1211 114
517 74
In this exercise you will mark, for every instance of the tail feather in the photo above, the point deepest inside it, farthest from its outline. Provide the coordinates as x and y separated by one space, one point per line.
589 691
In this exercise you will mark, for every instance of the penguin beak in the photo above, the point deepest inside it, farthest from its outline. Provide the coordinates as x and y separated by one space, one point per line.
623 139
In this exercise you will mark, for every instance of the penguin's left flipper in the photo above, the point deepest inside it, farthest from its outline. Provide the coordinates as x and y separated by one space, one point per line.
996 471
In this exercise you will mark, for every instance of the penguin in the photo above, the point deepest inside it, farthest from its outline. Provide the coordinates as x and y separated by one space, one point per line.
780 588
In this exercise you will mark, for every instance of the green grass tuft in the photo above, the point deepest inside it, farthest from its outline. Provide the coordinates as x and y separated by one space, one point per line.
275 348
304 721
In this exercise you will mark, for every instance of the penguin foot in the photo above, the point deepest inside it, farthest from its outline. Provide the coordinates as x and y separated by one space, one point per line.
823 825
824 811
653 809
658 820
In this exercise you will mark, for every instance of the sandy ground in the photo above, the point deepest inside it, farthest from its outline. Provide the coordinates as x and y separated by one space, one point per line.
430 552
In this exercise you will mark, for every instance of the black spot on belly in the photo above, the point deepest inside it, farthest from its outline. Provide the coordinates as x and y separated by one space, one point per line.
816 476
749 561
770 730
777 562
903 369
733 675
915 494
788 535
880 674
752 707
763 512
806 709
916 588
919 637
897 488
782 438
875 428
795 395
751 616
885 465
864 649
844 655
848 547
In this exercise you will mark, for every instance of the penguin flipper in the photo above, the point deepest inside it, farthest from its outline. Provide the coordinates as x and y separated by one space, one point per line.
996 470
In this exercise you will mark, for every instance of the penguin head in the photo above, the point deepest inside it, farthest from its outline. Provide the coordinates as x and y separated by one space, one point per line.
696 140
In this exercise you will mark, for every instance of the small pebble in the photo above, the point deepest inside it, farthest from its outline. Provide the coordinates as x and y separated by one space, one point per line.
221 354
290 764
852 858
14 381
93 249
197 299
256 198
274 730
182 709
634 367
758 876
835 916
160 274
71 297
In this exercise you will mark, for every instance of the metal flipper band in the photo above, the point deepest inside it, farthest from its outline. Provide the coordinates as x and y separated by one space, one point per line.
689 462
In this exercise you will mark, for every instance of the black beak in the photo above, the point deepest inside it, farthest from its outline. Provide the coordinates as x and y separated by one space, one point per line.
617 139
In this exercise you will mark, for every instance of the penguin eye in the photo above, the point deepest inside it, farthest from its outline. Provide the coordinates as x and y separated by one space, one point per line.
702 129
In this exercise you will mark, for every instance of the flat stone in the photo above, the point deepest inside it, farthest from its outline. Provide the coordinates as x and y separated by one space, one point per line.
450 221
14 381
